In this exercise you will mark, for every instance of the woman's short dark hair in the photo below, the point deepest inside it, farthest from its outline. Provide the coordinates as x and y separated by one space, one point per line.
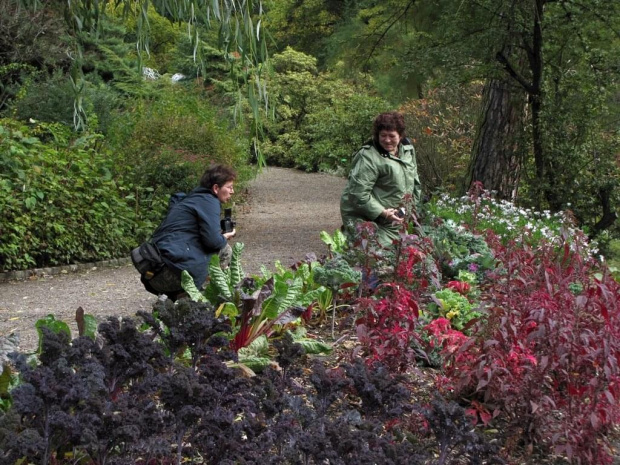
390 121
217 174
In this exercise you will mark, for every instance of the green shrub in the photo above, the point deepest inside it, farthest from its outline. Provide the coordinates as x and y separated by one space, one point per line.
169 142
320 120
60 201
337 131
51 100
163 146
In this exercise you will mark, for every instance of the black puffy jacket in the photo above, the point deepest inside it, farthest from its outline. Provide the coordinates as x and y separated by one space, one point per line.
191 233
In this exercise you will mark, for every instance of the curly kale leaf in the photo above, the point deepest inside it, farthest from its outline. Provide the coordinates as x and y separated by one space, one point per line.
336 272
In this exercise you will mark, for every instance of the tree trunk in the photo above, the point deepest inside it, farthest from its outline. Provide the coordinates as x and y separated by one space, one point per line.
496 161
609 214
544 171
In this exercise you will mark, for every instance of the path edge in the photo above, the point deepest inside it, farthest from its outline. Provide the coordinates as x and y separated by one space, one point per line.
23 275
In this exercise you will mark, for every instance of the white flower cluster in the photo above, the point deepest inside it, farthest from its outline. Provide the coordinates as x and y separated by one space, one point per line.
510 221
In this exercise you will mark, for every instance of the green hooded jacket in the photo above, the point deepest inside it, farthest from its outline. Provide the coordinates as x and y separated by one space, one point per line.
378 181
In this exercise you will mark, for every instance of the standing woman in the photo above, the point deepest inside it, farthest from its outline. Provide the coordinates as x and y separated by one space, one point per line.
383 172
191 232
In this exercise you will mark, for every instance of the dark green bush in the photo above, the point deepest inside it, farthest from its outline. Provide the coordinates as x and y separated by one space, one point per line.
48 100
72 198
61 201
167 143
51 100
320 120
337 131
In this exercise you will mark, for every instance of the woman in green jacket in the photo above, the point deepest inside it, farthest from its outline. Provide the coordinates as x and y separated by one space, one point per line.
384 170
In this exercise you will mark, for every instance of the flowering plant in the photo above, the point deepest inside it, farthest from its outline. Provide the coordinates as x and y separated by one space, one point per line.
480 211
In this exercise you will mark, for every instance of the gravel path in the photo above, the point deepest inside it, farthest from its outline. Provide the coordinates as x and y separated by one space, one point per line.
282 220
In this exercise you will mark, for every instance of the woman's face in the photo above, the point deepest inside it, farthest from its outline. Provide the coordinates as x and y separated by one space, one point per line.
389 140
224 192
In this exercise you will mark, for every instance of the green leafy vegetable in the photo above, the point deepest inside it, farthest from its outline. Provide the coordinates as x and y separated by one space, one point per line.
187 282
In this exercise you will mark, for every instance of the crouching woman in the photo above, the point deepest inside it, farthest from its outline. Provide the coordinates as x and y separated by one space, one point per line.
190 234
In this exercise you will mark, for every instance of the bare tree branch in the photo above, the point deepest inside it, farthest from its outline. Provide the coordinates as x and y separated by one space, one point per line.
396 17
511 71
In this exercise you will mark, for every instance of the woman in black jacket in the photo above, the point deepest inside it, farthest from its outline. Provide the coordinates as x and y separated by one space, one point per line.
191 232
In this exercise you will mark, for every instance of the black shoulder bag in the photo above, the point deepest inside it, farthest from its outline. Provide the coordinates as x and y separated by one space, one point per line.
147 259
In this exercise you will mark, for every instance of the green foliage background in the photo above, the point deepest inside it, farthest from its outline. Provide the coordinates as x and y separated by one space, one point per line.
334 66
320 119
70 196
61 200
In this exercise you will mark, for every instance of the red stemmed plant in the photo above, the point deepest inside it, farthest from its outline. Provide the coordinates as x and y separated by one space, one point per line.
547 359
386 329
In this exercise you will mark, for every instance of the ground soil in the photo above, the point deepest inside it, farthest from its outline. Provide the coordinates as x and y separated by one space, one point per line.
281 217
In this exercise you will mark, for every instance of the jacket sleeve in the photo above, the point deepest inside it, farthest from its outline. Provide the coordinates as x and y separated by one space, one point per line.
209 227
417 185
417 188
362 179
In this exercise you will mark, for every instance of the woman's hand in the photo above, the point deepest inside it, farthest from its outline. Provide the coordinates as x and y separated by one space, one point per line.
391 214
230 234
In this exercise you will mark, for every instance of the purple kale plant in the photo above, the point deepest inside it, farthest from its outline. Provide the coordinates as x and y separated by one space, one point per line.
187 325
456 437
125 398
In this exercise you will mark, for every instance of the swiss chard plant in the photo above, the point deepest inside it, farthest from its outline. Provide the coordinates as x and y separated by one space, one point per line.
265 310
336 274
223 284
259 354
87 326
337 243
260 307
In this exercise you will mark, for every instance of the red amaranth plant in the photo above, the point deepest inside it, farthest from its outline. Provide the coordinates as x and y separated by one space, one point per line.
413 263
386 329
548 358
461 287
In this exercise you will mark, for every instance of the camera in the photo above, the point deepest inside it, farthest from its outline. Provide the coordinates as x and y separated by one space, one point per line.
227 224
400 212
